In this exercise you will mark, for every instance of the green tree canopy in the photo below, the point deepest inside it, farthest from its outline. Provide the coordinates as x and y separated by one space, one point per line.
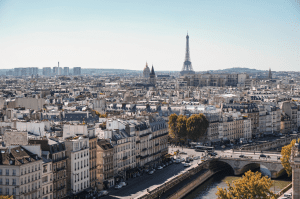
286 155
251 185
173 125
181 126
196 126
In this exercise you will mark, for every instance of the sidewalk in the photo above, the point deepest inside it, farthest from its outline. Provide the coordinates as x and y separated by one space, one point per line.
287 192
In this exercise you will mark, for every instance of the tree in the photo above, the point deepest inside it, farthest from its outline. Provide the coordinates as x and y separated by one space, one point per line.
196 126
6 197
173 125
100 115
286 155
181 126
251 185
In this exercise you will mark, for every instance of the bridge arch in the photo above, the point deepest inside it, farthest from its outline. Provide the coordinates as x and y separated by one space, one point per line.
219 165
241 166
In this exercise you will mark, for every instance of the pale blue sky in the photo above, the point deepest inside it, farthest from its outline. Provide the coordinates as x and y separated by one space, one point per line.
125 34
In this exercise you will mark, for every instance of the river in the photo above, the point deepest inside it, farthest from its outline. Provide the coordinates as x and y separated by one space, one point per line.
208 189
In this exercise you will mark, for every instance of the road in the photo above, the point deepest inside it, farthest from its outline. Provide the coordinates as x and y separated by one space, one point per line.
138 186
229 153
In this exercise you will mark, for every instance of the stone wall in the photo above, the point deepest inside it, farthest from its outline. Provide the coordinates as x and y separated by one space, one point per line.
173 182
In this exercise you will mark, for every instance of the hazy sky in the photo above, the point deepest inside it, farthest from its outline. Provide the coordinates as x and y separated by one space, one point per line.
125 34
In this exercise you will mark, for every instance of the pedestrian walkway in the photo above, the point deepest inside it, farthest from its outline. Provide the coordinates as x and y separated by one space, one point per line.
290 191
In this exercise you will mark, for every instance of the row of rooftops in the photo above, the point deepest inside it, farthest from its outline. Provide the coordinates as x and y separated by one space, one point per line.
17 156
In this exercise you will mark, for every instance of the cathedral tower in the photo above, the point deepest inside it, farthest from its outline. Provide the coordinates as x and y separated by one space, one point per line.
152 76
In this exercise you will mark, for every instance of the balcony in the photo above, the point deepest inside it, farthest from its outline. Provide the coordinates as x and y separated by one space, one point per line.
60 159
60 188
125 157
144 149
138 141
143 135
156 144
62 168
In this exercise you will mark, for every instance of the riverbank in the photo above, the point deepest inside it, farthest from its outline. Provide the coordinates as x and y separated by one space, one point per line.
208 189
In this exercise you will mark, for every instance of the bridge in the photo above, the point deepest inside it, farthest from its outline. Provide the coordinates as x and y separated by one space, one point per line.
241 165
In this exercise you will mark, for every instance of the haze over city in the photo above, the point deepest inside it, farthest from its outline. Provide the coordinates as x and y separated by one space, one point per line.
124 35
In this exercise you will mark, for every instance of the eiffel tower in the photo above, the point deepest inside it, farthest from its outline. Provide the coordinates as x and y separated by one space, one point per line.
187 64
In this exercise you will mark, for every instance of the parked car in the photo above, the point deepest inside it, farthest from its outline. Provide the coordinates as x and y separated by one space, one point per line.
278 157
178 161
123 184
163 165
103 193
242 156
160 168
186 165
262 156
213 154
196 157
118 186
146 170
151 172
182 152
182 160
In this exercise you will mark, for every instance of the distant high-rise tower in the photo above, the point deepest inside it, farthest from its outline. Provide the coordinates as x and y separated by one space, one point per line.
187 64
152 76
77 71
270 73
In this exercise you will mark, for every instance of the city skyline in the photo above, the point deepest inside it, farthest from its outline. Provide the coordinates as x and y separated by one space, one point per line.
258 35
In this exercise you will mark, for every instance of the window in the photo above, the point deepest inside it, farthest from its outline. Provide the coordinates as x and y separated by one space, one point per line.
0 191
14 172
7 172
1 172
7 191
7 181
0 182
14 182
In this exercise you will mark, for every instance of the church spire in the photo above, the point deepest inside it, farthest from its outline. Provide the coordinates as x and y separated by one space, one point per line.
152 70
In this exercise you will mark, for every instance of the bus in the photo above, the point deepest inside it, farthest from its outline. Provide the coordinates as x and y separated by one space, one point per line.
204 148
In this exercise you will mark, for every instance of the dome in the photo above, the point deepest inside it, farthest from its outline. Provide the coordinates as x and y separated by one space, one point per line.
146 71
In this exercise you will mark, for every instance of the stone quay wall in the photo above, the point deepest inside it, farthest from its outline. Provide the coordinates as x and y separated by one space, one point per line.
173 182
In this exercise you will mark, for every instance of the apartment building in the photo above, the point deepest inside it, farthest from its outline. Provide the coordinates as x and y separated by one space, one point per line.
124 152
105 166
20 173
269 119
92 157
234 127
143 138
47 177
250 110
57 153
77 151
159 142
